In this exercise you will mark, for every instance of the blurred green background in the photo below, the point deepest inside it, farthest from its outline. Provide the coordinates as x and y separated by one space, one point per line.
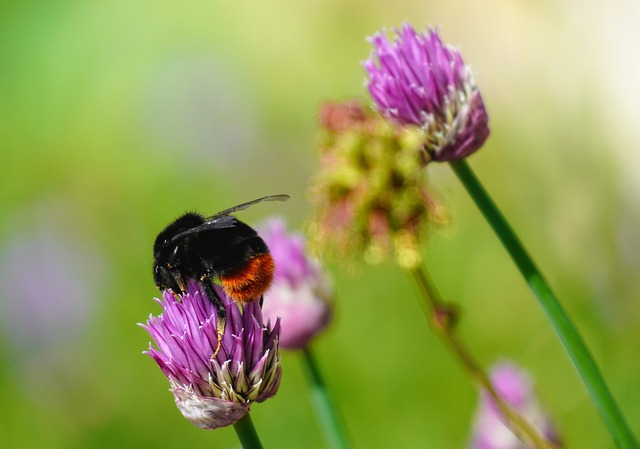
115 117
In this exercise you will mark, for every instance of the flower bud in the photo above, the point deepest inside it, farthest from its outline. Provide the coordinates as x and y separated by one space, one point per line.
301 293
516 389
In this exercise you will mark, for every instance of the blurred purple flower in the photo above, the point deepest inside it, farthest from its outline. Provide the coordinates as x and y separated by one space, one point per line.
301 293
516 388
420 81
52 283
214 391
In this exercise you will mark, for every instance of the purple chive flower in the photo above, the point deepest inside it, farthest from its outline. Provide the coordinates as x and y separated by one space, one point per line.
420 81
210 391
516 389
301 293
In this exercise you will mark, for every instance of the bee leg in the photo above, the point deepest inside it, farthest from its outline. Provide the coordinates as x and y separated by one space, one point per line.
261 300
221 324
179 282
222 321
206 285
176 295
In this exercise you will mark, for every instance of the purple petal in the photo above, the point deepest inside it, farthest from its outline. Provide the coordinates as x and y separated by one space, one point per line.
418 80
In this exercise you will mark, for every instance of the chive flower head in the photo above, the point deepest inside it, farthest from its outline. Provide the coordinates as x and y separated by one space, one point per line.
212 389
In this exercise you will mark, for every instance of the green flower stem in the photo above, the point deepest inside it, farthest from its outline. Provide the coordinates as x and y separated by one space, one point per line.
443 320
247 433
324 405
573 343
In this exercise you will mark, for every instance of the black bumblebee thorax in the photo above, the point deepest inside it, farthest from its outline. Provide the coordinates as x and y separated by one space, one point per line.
208 253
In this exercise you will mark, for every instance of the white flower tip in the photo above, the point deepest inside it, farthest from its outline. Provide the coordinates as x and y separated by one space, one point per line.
208 412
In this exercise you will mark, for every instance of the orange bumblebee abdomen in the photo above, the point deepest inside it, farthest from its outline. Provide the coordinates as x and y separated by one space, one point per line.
250 280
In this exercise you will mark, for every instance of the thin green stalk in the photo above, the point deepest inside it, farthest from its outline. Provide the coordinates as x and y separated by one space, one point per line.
324 405
247 433
568 334
443 320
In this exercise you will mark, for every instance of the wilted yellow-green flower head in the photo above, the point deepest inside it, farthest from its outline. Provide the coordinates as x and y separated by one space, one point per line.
369 193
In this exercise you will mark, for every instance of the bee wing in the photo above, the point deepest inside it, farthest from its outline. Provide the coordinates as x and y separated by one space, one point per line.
223 219
281 197
226 221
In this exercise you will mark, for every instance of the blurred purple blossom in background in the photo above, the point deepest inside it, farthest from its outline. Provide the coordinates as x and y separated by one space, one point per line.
301 293
51 288
516 388
420 81
213 392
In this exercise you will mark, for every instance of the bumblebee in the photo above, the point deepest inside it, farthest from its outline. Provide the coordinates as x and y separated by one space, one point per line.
216 248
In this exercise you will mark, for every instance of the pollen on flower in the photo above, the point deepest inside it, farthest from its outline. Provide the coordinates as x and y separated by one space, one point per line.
408 250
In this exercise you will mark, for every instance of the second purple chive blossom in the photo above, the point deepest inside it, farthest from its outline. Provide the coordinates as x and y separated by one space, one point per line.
301 294
214 391
418 80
